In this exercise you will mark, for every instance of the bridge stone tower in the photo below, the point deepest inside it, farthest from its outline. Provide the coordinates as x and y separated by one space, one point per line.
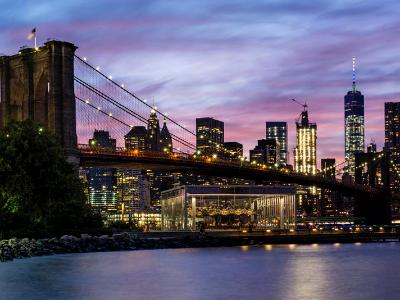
38 84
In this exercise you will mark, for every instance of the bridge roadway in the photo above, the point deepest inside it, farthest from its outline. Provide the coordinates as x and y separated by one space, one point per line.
132 159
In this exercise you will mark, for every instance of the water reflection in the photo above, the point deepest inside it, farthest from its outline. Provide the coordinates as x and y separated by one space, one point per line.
268 247
345 271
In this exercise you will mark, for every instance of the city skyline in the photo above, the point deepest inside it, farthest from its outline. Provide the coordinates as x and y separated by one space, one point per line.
183 60
252 146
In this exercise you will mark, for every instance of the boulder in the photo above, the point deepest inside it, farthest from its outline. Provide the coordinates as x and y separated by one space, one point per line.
85 236
69 238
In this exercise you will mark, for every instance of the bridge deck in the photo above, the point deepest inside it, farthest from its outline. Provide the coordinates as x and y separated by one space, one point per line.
122 158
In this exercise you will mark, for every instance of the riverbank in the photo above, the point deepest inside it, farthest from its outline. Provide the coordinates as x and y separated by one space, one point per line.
20 248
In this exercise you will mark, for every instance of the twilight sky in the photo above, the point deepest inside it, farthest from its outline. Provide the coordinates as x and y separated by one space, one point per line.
238 61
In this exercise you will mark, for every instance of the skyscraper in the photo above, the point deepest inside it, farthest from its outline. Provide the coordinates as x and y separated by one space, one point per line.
136 138
353 124
165 138
278 131
209 135
132 185
102 181
305 153
392 142
153 132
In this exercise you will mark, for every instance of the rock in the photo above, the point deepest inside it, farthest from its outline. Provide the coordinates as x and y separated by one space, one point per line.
85 236
132 235
70 238
121 237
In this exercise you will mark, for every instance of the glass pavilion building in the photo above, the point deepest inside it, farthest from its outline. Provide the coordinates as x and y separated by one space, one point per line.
228 207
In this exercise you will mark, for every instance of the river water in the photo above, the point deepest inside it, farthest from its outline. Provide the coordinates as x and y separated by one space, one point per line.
339 271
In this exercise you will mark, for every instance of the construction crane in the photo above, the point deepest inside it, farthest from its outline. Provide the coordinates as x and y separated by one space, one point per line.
303 114
305 106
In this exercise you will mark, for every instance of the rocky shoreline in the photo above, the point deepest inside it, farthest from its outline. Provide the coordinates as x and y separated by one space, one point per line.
20 248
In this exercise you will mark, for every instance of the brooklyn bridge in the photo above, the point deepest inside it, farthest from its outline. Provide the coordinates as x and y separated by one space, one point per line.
65 93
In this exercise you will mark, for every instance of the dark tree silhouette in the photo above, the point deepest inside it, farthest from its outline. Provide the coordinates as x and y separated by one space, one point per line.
40 193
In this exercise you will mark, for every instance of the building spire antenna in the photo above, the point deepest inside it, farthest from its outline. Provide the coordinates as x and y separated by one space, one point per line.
354 75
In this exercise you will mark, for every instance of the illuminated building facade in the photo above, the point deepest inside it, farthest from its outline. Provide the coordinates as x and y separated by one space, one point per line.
353 124
133 191
278 131
228 207
145 219
272 152
209 135
392 142
233 150
102 181
305 152
136 138
256 156
267 152
149 219
153 132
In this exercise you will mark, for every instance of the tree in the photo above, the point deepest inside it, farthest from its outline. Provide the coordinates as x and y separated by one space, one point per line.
40 192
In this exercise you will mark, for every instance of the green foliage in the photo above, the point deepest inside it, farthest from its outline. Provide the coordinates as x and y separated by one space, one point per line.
40 192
